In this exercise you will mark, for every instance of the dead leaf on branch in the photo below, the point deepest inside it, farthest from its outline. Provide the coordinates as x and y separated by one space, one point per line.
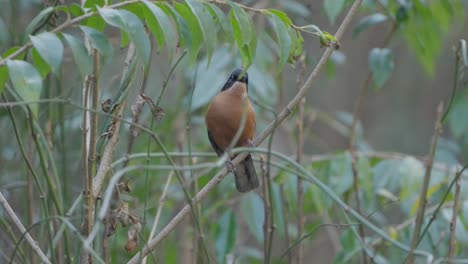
126 219
137 107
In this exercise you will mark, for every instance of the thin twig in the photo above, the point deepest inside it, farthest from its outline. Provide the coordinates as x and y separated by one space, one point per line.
453 222
22 229
284 113
422 196
266 209
300 141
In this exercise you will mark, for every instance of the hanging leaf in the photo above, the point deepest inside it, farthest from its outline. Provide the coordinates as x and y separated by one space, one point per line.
80 54
26 80
281 15
98 41
226 235
194 29
129 23
75 10
161 26
50 48
244 34
4 68
185 38
368 22
333 8
38 20
381 65
283 39
220 19
40 64
205 20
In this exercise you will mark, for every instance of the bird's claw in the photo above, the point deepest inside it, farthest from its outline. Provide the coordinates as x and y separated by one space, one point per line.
230 167
250 143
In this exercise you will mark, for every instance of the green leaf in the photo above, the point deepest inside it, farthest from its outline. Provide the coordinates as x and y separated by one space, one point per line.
220 19
3 77
38 20
80 54
98 41
381 65
40 64
75 10
206 23
281 15
94 3
26 80
128 22
161 26
333 8
283 39
253 212
185 38
194 28
50 48
244 34
4 68
368 22
226 235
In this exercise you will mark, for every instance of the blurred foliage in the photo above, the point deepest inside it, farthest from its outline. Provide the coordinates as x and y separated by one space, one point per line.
267 40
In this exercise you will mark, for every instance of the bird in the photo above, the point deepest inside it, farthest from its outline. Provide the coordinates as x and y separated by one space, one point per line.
228 111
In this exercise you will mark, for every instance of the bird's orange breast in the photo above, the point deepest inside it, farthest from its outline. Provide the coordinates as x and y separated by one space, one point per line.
225 114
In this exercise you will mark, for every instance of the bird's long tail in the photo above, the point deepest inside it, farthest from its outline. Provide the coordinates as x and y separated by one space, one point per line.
245 175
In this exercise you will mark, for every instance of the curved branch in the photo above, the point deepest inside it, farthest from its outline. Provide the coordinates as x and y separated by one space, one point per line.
278 120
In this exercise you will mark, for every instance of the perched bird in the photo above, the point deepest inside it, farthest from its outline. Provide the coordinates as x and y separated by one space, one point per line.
229 111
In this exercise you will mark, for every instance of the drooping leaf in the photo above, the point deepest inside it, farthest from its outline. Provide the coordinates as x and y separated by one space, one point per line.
98 41
38 20
283 39
333 8
26 80
161 26
206 23
50 48
75 10
40 64
129 23
368 22
220 19
226 235
185 37
4 68
281 15
194 29
381 65
94 3
244 34
80 54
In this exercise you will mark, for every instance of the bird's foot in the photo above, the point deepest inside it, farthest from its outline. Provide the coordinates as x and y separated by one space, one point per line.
230 167
250 143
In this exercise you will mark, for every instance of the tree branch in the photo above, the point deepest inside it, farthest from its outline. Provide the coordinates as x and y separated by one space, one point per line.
280 118
22 229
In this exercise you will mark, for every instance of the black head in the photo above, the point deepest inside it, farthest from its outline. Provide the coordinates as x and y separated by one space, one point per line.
236 77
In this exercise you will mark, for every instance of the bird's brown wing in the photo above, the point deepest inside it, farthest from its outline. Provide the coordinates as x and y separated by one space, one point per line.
216 148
